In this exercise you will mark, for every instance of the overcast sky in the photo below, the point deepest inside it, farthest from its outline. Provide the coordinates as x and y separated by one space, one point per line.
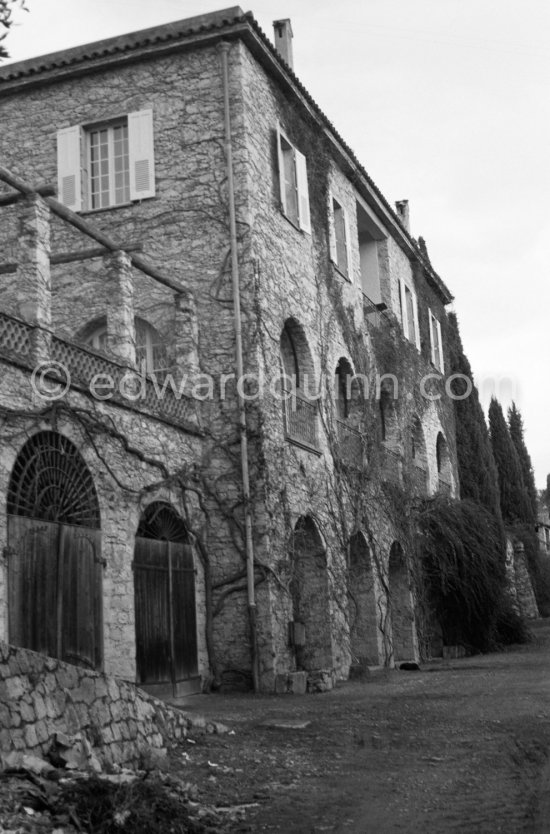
446 103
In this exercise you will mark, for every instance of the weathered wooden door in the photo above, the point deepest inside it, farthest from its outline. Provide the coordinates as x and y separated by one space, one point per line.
164 582
54 563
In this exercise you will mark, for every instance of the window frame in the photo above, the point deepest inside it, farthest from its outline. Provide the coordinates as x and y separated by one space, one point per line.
436 342
298 165
110 127
336 245
404 287
74 160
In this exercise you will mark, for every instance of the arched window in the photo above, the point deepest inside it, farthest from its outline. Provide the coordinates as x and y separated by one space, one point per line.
298 385
151 354
343 393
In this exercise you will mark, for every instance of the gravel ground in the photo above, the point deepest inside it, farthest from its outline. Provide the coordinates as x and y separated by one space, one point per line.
458 746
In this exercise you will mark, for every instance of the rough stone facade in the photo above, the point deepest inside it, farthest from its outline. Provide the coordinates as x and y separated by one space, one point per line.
41 697
321 473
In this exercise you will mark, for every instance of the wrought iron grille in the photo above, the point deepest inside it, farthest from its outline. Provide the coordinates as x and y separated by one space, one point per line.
160 521
15 336
50 481
350 443
300 419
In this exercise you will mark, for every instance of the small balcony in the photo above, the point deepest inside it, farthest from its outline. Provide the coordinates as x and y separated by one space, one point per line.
350 444
374 311
301 420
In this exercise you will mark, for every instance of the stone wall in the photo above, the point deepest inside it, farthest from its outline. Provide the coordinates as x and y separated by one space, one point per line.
40 696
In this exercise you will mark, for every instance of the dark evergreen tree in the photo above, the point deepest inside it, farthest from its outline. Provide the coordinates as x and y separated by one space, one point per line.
515 424
514 500
476 465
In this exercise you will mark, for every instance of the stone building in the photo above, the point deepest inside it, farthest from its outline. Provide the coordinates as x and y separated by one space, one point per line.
177 211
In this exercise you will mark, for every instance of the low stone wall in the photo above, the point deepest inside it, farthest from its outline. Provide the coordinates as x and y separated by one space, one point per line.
41 696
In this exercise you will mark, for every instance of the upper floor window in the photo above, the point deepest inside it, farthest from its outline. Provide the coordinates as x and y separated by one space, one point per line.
340 250
108 164
151 353
409 313
293 183
435 342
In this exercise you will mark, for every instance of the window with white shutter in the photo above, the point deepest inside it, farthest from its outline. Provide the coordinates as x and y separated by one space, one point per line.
435 342
105 165
293 183
340 242
409 313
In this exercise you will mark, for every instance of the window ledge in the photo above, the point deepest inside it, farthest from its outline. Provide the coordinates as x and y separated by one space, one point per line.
115 207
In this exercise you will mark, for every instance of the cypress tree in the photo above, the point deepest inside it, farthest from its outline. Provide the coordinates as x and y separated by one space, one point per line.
476 464
514 500
515 424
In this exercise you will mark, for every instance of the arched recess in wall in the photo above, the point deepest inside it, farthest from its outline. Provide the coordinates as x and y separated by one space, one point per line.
151 351
165 606
419 457
55 564
309 586
348 410
443 465
400 605
389 420
298 384
363 611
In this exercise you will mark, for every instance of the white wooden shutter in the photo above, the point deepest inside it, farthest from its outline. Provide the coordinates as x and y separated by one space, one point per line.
432 336
281 160
69 167
441 360
141 154
348 245
331 229
303 192
404 315
415 316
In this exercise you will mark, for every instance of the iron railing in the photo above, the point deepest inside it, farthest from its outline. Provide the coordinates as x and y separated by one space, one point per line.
350 444
372 312
300 419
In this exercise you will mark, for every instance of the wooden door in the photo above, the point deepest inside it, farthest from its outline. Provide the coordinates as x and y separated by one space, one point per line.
166 633
54 586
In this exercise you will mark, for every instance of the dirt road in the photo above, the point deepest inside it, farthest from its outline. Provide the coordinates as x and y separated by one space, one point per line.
456 747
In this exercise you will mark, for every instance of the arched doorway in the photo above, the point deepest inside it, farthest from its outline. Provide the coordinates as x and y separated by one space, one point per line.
310 600
164 587
54 569
363 619
400 605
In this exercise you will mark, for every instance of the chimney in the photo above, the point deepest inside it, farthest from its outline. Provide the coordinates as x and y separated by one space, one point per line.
402 208
283 40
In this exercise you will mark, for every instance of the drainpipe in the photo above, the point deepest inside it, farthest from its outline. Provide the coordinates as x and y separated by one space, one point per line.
224 50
